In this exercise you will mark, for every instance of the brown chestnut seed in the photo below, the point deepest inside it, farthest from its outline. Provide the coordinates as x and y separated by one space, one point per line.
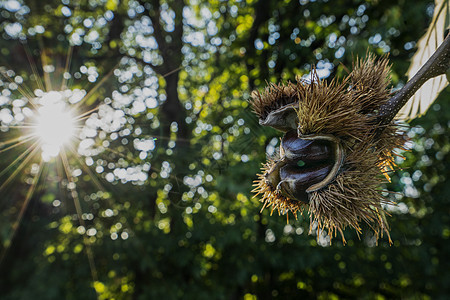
306 164
296 180
308 157
338 157
309 163
309 151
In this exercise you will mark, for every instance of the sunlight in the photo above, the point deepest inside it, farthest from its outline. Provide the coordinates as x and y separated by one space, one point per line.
55 125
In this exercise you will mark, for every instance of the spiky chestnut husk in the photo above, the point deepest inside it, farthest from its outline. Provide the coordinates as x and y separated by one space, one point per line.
345 110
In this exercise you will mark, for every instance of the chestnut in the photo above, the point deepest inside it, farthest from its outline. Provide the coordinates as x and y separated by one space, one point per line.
307 163
309 151
296 180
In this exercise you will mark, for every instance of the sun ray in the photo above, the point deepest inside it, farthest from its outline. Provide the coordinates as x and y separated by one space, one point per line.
28 197
20 126
23 91
85 115
69 52
19 168
23 123
22 155
82 119
66 67
95 178
88 171
13 140
115 152
22 141
45 63
79 211
33 67
96 87
60 173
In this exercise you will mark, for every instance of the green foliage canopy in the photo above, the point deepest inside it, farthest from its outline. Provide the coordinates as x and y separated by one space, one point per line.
164 167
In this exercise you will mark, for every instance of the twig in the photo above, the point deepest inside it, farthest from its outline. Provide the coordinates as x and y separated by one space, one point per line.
436 65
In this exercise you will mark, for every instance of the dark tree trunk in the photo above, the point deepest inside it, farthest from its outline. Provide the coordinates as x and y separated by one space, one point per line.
173 111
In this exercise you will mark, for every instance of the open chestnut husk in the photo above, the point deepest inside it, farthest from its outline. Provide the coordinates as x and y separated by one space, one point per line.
333 158
306 164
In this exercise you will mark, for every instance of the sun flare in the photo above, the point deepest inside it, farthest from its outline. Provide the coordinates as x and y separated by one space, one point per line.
54 124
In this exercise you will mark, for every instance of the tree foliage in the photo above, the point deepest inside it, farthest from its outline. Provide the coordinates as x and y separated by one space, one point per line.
163 168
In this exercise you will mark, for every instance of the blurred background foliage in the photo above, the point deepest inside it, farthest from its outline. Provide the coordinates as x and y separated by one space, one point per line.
164 168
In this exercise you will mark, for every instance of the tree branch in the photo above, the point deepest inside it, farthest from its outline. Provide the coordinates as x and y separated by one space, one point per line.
436 65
